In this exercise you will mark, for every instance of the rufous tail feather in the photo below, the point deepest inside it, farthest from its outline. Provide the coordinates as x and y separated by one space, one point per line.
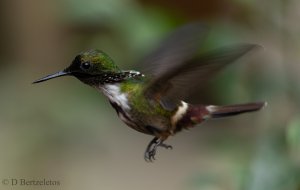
190 115
230 110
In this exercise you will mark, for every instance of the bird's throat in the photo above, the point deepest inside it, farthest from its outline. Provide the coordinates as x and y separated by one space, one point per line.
114 94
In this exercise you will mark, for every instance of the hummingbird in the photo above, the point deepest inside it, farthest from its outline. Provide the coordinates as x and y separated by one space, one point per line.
156 102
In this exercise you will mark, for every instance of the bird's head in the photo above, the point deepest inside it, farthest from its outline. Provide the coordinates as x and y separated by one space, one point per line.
90 67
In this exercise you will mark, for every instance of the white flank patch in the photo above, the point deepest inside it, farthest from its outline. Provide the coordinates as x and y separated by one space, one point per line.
180 112
112 91
212 108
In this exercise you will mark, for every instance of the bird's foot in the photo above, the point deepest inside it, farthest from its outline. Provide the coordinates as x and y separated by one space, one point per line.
166 146
150 152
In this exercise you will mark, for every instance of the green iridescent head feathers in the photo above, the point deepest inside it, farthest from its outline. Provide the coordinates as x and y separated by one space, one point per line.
86 65
94 62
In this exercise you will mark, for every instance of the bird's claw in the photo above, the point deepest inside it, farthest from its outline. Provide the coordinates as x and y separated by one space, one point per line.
150 152
166 146
150 156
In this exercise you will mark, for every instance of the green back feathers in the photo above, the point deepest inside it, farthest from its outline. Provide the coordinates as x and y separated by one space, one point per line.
135 91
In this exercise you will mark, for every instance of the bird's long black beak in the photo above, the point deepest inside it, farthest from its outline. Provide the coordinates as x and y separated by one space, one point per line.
55 75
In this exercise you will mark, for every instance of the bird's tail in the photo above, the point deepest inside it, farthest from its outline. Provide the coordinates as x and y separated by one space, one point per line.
230 110
189 115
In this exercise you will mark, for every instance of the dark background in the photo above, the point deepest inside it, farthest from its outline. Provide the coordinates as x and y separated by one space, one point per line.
63 130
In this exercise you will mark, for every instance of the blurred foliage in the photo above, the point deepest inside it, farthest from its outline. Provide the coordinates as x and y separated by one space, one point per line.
64 130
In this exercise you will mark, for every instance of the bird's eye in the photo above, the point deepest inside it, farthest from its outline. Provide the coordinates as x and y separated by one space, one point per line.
85 65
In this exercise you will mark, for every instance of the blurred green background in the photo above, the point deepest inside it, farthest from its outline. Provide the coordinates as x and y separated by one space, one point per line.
65 131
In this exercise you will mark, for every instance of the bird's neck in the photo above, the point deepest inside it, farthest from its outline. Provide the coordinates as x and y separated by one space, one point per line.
115 95
111 87
111 78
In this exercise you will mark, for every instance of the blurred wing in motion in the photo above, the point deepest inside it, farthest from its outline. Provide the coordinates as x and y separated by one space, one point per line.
177 48
178 81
